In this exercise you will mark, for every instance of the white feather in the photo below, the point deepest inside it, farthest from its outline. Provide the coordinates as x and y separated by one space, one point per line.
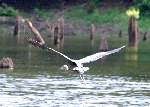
60 53
79 63
90 58
98 55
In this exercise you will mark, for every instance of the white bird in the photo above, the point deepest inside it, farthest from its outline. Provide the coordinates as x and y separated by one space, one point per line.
77 65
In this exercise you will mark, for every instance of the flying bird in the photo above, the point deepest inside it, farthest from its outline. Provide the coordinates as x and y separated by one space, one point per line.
77 65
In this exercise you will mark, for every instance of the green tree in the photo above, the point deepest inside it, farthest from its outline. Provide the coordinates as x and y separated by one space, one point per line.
92 4
144 6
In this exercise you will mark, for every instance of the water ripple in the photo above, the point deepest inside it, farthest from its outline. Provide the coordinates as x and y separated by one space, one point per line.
65 92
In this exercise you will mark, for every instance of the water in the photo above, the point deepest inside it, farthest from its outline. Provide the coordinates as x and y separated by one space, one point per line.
37 81
67 92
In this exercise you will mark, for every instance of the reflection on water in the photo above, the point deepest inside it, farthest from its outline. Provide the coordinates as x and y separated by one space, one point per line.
132 54
37 80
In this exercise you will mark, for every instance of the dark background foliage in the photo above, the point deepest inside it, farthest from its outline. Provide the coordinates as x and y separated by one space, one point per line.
143 5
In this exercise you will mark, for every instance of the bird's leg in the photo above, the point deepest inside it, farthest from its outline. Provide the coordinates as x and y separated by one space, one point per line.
82 78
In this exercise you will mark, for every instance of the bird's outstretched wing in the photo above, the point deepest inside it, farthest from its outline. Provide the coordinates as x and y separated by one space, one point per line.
98 55
59 53
44 46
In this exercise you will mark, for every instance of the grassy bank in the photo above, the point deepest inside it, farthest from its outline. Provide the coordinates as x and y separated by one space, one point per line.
101 16
113 16
109 16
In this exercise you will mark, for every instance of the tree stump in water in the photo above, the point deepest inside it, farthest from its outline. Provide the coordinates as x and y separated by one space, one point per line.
17 27
6 63
56 32
92 32
145 36
103 45
133 32
61 33
57 35
120 34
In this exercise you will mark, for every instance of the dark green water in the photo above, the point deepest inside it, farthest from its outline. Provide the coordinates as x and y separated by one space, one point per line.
122 79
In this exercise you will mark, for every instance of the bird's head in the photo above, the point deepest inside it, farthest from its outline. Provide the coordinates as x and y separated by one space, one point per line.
65 67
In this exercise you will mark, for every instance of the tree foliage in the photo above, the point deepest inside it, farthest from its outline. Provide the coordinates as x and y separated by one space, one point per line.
30 4
7 11
144 6
92 4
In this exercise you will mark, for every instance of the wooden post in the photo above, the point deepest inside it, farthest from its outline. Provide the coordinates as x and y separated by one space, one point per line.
37 35
92 33
61 25
133 32
56 31
145 36
57 35
16 27
120 34
17 30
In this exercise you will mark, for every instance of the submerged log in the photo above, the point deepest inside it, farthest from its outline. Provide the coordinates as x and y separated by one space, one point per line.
6 63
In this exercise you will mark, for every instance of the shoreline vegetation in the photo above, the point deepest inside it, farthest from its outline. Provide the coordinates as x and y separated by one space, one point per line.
106 14
104 22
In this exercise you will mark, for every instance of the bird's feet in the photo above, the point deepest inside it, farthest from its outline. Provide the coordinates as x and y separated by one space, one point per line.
82 79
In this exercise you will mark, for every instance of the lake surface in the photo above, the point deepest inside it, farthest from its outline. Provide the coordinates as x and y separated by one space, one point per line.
119 80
